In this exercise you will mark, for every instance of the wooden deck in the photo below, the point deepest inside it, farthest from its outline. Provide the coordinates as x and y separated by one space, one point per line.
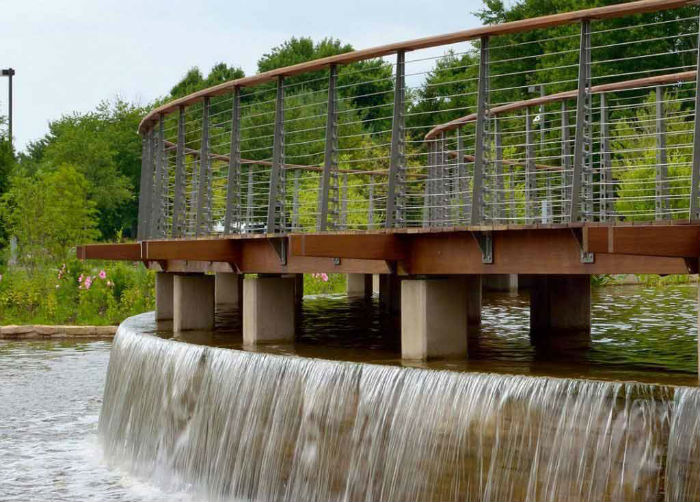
567 249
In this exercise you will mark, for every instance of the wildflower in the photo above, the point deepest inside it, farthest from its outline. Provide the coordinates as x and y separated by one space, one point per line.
80 279
110 283
102 274
57 286
88 282
324 277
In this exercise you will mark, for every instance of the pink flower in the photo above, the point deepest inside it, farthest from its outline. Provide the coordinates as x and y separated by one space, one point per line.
80 279
102 274
324 277
88 282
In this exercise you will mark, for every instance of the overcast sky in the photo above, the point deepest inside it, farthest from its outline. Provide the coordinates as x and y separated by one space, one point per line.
71 54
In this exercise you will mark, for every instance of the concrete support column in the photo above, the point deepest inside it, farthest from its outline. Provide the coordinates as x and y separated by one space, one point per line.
560 312
268 309
500 282
298 289
229 288
193 302
473 288
164 296
433 318
390 292
359 285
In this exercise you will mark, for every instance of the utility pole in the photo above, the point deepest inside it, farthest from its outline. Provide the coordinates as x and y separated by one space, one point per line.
9 73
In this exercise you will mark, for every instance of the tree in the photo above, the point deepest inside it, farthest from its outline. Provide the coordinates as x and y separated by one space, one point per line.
49 212
104 147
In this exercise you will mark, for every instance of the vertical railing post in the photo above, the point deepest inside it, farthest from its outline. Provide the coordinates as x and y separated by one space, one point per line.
661 198
179 190
203 202
582 106
232 219
275 200
530 169
498 212
146 186
295 200
158 216
330 161
480 149
192 222
395 216
443 198
606 179
428 189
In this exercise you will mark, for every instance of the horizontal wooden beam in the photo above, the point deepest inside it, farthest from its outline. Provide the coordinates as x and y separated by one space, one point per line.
222 250
644 240
360 246
553 250
550 21
115 252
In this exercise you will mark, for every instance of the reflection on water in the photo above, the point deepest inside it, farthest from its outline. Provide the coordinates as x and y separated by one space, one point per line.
639 333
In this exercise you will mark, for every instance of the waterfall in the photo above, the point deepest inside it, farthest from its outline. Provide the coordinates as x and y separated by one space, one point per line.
248 426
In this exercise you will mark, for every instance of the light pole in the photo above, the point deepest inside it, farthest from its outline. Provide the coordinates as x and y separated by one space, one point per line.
9 73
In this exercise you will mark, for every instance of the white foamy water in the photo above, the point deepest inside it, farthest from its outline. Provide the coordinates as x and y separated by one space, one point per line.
50 399
227 424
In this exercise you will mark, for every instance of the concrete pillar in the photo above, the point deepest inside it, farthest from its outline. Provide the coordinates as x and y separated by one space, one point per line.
560 312
359 285
390 293
473 289
298 289
433 318
375 284
500 282
164 296
193 302
228 288
268 310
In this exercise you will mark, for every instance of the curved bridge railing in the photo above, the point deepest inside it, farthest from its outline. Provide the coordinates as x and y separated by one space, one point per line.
581 116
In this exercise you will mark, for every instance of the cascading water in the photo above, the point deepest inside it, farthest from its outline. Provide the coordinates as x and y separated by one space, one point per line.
249 426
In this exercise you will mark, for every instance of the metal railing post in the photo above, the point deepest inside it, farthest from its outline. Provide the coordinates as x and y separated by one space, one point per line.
159 207
203 202
250 199
179 190
295 200
582 106
330 161
395 190
480 150
232 219
370 208
146 186
694 212
661 205
275 200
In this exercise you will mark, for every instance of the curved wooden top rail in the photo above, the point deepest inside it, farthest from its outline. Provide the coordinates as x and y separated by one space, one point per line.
610 11
561 96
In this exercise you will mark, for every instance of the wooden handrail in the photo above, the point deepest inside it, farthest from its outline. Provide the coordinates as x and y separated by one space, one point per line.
607 12
561 96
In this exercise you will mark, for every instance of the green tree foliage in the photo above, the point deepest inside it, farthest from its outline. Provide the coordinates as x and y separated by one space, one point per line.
7 163
103 146
194 80
49 212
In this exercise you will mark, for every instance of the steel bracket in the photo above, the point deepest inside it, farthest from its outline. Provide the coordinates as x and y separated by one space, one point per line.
485 241
586 257
279 244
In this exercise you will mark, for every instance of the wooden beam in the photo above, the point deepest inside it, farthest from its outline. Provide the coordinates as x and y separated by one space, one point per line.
128 252
360 246
221 250
644 240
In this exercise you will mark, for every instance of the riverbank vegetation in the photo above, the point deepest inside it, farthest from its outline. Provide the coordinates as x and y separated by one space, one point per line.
80 182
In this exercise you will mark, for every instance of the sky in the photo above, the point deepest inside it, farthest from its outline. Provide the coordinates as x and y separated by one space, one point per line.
71 54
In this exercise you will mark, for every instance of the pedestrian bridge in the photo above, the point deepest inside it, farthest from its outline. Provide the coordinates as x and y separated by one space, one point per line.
557 147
